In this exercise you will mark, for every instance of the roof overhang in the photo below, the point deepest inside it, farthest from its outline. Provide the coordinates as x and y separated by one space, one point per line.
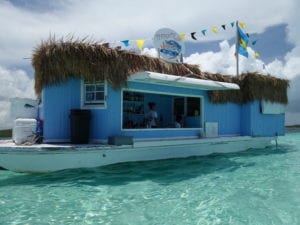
181 81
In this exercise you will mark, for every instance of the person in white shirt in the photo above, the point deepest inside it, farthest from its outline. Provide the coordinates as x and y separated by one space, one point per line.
151 116
177 123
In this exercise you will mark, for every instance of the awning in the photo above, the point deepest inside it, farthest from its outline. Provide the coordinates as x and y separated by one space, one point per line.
181 81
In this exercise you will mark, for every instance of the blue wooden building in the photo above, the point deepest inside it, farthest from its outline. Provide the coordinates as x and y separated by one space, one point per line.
116 86
94 94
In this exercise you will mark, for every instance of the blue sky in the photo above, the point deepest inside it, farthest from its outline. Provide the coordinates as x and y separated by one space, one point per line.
24 23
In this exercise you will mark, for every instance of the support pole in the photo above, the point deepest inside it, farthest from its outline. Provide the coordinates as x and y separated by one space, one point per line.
237 48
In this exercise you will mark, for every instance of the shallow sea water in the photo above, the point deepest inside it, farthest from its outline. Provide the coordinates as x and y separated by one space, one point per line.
257 186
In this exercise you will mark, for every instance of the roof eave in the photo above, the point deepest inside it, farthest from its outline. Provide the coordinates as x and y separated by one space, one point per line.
181 81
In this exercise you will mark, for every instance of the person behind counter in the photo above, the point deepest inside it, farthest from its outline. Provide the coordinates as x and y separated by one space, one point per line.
151 116
178 121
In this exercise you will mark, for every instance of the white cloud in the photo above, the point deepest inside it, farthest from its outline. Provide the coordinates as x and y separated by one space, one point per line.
5 120
294 29
150 52
224 61
114 20
292 68
14 83
135 19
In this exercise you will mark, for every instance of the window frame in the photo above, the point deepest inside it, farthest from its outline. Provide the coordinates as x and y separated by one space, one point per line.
102 104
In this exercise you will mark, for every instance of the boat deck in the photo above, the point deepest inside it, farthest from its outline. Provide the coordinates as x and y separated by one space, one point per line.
8 144
52 157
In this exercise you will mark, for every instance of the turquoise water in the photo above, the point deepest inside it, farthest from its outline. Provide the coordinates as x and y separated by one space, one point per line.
259 186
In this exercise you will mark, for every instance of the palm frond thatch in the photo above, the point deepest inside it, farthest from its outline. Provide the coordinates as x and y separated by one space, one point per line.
55 61
253 86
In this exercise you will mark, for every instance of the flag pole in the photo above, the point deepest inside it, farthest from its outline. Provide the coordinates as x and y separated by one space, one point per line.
237 48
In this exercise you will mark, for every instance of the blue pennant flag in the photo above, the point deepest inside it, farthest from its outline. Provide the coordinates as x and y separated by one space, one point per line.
193 35
254 42
242 42
203 32
232 24
126 43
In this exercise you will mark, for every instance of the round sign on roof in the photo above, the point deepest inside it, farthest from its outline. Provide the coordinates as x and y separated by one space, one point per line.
169 45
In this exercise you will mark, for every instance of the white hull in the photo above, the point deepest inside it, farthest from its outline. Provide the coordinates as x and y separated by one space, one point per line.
48 158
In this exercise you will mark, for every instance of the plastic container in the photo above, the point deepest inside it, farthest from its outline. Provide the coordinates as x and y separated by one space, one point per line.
80 126
24 130
23 108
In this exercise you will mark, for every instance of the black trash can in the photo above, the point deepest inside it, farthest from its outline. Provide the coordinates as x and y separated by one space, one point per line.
80 126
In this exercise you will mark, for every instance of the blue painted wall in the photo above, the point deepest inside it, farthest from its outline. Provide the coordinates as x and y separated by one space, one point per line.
233 119
107 122
227 115
255 123
57 102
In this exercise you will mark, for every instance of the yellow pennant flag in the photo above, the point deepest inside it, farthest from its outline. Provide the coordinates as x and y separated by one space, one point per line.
256 54
243 43
215 30
140 44
242 25
182 37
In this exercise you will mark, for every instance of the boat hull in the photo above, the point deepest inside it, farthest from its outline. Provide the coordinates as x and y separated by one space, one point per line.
49 158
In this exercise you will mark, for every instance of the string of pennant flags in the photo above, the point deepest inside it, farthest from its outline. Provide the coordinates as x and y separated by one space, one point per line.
195 36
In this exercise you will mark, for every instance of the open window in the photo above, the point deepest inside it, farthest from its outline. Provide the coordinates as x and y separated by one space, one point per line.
189 110
173 111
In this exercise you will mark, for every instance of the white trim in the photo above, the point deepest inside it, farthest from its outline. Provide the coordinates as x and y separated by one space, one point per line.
202 112
167 128
181 81
68 141
165 138
82 91
160 92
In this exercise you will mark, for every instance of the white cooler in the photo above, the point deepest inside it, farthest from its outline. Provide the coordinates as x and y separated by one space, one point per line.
23 130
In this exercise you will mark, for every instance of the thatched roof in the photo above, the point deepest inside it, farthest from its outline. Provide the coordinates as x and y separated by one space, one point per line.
254 86
56 61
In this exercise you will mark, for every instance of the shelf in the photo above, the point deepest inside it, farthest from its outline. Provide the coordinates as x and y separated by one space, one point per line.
131 96
133 101
133 105
135 114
